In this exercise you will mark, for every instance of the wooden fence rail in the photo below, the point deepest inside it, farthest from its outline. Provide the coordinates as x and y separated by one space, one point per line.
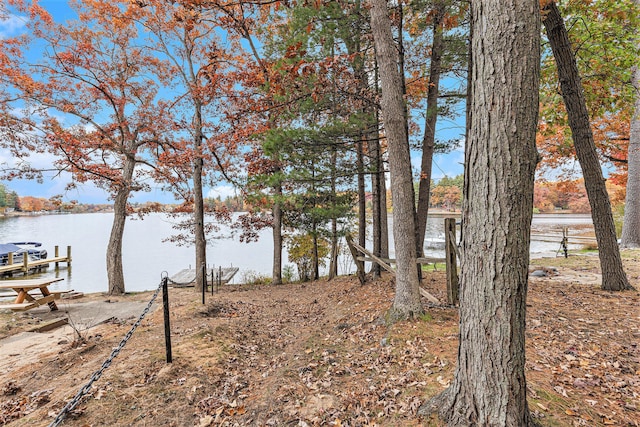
360 255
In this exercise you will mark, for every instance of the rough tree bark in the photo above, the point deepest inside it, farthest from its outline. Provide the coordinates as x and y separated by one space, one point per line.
489 387
631 223
115 273
428 141
613 275
407 296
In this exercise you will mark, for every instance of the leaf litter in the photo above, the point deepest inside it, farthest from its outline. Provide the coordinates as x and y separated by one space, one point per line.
321 354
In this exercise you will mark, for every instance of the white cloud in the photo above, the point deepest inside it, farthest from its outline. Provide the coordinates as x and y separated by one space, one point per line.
223 191
11 25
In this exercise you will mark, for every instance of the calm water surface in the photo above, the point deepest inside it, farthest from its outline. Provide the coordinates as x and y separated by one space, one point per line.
146 256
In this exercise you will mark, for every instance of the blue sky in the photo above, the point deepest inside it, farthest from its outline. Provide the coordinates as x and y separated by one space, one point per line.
54 184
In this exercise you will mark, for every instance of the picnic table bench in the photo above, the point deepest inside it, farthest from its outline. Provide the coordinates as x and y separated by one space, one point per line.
35 291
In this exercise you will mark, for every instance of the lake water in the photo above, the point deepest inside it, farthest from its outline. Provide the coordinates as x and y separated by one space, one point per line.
146 256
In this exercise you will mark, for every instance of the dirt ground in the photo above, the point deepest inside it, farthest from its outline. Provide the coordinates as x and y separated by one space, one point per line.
321 354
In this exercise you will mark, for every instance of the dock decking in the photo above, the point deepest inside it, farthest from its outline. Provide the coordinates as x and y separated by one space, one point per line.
187 276
28 264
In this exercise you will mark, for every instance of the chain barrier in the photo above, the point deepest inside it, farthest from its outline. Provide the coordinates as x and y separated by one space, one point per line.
96 375
173 282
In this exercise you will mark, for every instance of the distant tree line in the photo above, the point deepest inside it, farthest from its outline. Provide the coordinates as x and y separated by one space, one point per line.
8 198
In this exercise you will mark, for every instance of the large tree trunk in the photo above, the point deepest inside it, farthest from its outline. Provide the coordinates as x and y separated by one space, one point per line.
613 276
631 224
407 297
115 273
489 386
428 141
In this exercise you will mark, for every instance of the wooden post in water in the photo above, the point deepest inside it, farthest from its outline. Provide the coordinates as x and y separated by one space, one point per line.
25 262
68 256
10 258
56 254
452 265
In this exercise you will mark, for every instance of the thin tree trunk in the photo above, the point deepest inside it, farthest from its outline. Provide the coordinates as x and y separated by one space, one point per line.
403 85
489 387
384 212
333 261
333 257
407 297
362 200
316 260
428 142
276 211
376 198
631 224
613 275
198 200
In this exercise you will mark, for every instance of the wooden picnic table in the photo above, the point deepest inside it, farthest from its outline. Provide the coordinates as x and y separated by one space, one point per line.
35 291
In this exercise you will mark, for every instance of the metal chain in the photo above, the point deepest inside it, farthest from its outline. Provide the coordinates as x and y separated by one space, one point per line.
96 375
173 282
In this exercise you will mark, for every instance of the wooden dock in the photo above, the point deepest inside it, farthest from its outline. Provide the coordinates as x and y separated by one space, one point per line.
187 277
27 264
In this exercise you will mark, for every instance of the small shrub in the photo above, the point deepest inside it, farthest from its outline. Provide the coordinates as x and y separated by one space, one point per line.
288 273
301 252
251 277
618 217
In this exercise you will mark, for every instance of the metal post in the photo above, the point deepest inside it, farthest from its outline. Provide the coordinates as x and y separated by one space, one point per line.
204 281
219 281
212 277
167 327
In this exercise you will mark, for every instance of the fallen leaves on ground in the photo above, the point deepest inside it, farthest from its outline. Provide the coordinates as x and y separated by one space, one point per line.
321 354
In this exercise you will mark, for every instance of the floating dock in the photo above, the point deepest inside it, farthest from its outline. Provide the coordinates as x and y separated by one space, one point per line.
187 277
30 264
